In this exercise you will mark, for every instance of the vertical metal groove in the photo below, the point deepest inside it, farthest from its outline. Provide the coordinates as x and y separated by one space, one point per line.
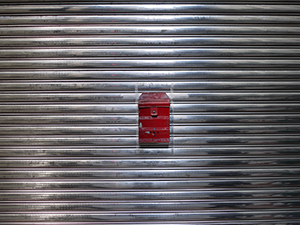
72 72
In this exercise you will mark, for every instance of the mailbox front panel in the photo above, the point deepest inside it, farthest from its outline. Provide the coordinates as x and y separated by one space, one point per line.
154 118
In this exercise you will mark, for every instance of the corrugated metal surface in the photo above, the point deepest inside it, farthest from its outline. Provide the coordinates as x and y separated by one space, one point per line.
71 76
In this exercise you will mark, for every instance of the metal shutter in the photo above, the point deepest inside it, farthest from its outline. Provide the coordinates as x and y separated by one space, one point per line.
71 74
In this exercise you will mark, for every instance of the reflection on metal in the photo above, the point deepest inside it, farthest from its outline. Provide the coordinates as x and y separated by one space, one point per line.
71 75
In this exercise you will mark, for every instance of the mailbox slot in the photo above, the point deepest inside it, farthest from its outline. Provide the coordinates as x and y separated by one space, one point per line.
154 118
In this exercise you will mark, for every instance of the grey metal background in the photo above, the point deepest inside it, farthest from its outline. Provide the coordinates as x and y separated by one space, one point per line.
71 73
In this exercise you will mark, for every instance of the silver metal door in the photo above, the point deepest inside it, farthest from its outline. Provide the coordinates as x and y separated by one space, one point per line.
72 72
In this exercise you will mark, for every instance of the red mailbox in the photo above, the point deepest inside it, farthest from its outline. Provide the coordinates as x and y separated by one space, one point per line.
154 118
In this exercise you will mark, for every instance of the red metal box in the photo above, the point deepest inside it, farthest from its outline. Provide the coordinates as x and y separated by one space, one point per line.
154 118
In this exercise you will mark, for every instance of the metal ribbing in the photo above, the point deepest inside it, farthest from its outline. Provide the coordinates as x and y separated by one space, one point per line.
71 74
